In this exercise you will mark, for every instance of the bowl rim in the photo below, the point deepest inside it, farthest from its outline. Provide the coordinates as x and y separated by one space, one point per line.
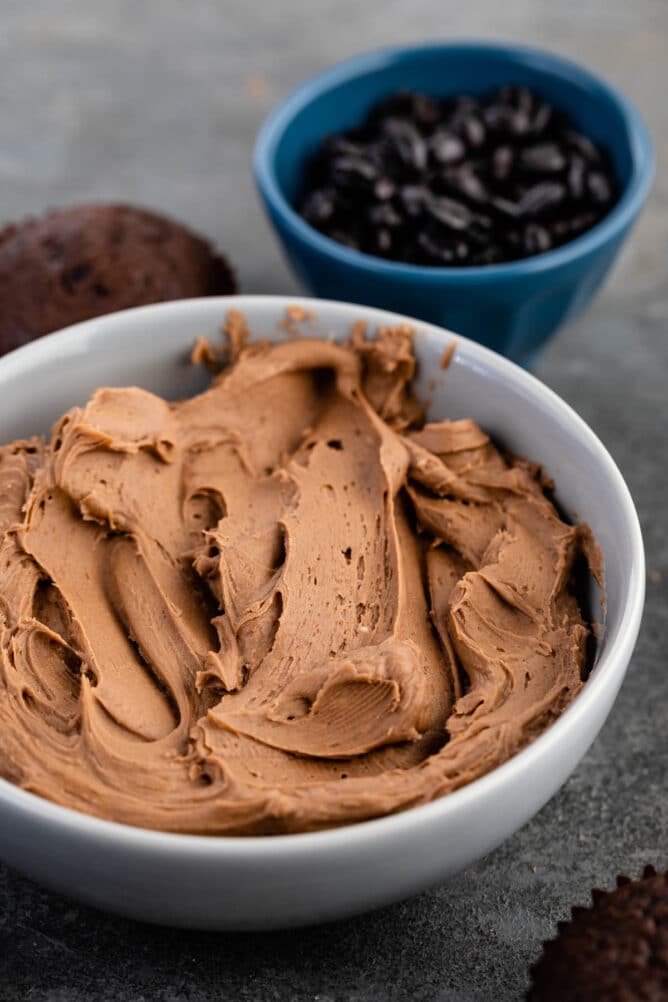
349 838
547 63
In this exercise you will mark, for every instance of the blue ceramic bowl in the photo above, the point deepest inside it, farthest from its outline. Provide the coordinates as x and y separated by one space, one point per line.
513 308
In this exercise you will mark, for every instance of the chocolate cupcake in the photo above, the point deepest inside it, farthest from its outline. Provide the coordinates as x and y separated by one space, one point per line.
616 950
87 260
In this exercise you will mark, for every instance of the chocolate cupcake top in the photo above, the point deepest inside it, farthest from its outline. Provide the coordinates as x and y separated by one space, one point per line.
87 260
616 950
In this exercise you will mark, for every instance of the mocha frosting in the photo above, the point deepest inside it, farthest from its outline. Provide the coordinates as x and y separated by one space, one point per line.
285 604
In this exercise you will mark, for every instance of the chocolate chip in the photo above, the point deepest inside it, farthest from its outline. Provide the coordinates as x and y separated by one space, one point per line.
455 215
578 224
456 108
384 189
517 97
545 158
462 250
435 252
541 197
492 254
599 187
423 110
503 158
576 176
406 143
473 131
584 146
352 171
458 181
506 120
384 241
426 111
506 208
446 147
463 181
520 123
541 119
413 198
567 229
536 239
341 146
384 215
318 207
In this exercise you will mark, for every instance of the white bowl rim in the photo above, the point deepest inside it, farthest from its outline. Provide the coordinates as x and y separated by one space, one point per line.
346 839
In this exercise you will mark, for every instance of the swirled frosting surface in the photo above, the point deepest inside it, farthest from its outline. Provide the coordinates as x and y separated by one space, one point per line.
285 604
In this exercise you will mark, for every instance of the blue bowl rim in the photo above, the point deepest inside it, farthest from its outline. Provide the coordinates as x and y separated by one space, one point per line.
620 216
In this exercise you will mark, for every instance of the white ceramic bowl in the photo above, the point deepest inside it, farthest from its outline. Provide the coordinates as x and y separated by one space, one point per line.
253 883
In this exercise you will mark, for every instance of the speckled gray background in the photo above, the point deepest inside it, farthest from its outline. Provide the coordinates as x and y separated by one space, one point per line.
158 102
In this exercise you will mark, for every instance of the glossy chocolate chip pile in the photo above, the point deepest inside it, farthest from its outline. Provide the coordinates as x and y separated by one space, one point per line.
459 181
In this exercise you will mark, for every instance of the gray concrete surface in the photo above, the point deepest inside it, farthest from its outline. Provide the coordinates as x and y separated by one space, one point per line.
158 103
